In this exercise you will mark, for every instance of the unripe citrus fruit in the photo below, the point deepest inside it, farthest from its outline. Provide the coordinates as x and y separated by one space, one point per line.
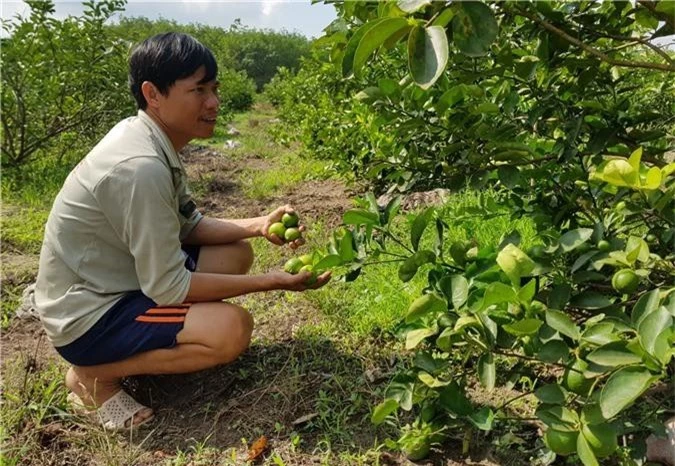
625 281
561 443
574 380
293 265
290 220
306 259
312 278
418 448
604 246
650 238
601 438
292 234
277 229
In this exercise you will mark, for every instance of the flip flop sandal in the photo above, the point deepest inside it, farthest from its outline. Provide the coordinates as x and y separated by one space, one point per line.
114 413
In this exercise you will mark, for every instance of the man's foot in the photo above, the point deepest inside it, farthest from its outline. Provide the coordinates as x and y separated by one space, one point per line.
94 393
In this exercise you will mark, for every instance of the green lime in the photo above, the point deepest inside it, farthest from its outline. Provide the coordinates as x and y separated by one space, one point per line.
418 448
574 379
277 229
292 234
293 265
312 278
650 238
290 220
604 246
625 281
601 438
561 443
306 259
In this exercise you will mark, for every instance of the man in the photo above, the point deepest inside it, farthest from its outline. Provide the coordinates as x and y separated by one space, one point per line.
132 276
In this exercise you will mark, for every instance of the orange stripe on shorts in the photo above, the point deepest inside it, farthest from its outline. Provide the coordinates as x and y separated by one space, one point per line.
160 319
166 310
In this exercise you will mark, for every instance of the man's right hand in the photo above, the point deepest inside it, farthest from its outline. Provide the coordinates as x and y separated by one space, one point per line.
290 282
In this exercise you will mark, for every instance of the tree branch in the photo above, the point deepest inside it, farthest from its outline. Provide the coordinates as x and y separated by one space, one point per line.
593 51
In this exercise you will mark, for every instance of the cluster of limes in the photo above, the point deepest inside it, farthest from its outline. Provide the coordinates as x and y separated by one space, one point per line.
300 264
287 229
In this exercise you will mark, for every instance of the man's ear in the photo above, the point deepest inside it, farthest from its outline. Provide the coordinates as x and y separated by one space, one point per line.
151 94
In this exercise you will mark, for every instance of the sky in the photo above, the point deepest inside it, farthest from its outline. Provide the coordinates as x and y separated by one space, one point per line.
292 15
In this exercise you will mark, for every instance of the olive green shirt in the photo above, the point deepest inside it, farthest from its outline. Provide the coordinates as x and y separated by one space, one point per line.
116 226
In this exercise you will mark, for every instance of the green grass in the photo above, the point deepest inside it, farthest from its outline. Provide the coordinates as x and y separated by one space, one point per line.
23 228
288 170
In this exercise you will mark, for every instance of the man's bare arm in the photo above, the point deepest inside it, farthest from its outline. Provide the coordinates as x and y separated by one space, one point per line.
215 287
222 231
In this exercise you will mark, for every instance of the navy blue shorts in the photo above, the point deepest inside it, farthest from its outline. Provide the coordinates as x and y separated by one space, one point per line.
133 325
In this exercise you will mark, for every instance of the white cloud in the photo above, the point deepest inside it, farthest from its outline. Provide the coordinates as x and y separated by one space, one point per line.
268 6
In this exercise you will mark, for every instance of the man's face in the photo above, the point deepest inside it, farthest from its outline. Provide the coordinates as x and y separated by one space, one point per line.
189 109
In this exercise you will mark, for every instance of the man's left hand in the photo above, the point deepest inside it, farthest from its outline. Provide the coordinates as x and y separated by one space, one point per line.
275 217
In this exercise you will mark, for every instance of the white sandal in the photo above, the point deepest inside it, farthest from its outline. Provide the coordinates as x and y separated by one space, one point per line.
113 413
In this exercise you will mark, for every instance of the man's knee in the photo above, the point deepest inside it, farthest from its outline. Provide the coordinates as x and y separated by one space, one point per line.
246 255
237 337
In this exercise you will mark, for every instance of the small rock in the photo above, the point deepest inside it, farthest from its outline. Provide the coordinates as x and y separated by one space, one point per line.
274 121
662 450
232 131
231 144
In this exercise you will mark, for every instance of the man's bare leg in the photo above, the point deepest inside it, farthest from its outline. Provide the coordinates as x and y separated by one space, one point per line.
214 333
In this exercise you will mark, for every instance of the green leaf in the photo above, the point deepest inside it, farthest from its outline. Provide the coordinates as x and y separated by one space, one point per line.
483 418
424 305
575 238
455 288
419 225
497 293
331 260
648 303
562 323
411 6
392 209
452 398
636 249
427 54
523 327
590 300
649 329
509 176
552 394
374 38
553 351
487 372
402 391
474 28
388 86
350 49
369 95
360 217
415 337
409 268
652 179
560 296
449 99
527 292
623 387
444 17
430 381
585 452
515 263
600 334
347 247
383 410
558 417
613 354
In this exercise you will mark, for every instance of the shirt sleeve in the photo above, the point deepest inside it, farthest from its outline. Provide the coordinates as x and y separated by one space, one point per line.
139 201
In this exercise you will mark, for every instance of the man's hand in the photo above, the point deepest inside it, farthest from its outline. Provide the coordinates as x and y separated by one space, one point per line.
276 217
290 282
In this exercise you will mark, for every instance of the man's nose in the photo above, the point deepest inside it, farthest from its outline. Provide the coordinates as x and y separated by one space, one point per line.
213 101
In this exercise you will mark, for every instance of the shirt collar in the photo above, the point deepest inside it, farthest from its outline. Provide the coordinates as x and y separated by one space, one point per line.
162 139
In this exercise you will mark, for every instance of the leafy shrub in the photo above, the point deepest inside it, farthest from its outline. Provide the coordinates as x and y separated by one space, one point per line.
237 91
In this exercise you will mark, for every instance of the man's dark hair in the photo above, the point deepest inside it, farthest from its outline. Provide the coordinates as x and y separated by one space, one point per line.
165 58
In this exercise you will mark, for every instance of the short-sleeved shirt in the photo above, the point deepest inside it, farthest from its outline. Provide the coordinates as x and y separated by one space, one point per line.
116 226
